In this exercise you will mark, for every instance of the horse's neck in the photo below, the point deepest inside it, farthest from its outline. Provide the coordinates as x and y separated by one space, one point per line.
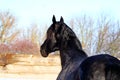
73 51
72 55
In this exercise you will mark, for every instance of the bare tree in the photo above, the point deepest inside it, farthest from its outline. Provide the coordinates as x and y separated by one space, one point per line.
98 36
108 37
7 23
114 40
103 28
85 32
34 33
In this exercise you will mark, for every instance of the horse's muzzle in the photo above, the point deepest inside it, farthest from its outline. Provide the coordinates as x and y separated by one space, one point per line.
43 53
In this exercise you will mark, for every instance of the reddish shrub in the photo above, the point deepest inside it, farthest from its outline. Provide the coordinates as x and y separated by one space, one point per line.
24 46
4 48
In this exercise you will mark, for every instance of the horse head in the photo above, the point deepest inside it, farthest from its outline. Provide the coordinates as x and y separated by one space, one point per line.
58 35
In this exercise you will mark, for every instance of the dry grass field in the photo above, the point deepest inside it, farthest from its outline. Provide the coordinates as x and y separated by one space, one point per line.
28 67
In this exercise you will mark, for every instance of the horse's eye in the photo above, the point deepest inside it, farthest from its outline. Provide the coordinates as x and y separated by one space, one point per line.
57 36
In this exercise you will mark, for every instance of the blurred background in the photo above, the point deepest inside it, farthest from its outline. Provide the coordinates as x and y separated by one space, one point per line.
23 25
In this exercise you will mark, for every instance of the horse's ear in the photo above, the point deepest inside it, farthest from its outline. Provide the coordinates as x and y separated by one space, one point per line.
61 19
53 19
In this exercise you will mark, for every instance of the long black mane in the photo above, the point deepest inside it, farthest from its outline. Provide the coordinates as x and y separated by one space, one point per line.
74 61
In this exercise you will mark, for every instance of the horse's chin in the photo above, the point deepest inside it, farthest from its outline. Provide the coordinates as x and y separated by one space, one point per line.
44 55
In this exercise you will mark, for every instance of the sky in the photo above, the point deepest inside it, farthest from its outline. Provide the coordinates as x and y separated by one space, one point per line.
41 11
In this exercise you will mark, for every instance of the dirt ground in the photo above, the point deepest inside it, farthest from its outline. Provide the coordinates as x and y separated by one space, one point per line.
29 67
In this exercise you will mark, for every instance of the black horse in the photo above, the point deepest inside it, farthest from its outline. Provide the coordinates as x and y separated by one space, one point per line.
75 63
